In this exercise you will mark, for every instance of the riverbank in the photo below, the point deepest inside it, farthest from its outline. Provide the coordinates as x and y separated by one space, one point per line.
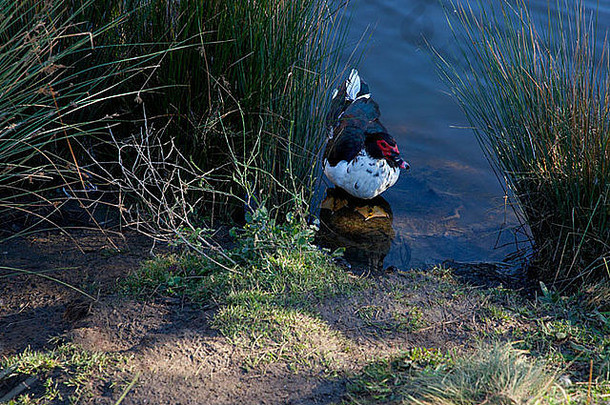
362 344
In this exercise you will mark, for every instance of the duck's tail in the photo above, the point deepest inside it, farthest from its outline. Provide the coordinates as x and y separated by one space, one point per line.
356 87
352 89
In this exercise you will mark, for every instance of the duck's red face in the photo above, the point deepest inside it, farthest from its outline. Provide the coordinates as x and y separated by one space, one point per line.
387 149
390 152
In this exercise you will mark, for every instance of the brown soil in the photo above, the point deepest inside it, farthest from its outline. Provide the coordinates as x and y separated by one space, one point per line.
178 357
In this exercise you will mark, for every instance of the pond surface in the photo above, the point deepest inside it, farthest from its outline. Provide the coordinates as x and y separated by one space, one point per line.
450 205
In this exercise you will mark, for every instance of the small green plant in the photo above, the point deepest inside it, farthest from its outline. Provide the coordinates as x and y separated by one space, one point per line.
262 235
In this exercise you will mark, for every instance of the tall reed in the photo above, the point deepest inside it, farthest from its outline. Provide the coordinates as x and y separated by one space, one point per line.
261 70
537 94
36 93
281 67
49 78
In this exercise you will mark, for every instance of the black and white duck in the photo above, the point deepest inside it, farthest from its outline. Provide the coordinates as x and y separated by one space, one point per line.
361 157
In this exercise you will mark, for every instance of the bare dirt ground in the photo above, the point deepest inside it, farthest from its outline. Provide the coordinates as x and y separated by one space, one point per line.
177 356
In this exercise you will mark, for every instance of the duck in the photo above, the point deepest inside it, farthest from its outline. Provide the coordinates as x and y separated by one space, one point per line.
360 157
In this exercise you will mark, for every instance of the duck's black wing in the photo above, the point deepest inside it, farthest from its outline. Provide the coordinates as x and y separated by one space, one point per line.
337 105
360 119
363 109
346 145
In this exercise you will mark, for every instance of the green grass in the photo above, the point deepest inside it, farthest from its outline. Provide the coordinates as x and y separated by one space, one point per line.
283 81
382 381
497 374
564 330
273 333
66 373
266 301
573 334
537 95
567 333
513 349
385 321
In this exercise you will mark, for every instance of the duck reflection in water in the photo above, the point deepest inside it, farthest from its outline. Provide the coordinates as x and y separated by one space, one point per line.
362 227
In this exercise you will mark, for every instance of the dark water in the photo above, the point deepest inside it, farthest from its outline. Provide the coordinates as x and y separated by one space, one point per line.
450 205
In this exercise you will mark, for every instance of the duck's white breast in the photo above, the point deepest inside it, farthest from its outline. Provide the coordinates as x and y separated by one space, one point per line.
363 177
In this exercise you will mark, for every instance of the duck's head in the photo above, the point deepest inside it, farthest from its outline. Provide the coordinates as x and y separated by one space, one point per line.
381 145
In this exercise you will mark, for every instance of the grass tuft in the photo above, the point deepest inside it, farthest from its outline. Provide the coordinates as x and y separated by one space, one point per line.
65 373
498 375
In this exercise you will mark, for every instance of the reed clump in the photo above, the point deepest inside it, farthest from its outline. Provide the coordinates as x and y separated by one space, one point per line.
537 94
42 89
240 83
258 70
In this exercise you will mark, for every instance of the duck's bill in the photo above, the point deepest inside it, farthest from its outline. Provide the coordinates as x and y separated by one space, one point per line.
401 163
